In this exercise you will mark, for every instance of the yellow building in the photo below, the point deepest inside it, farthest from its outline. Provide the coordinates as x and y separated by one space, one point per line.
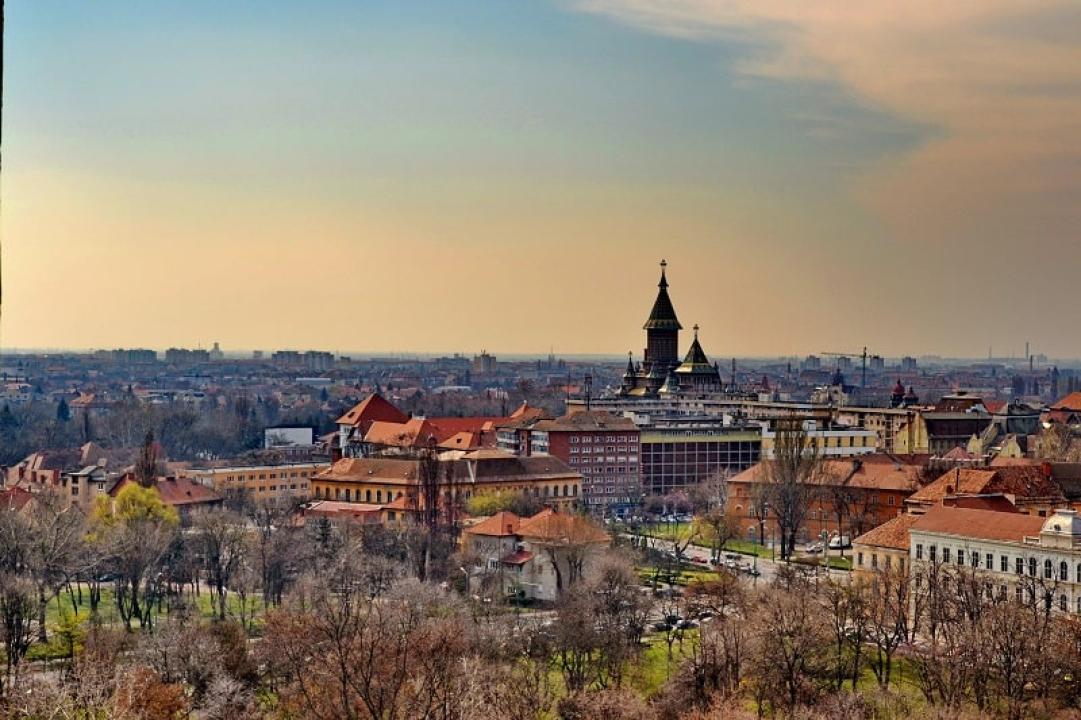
383 480
262 482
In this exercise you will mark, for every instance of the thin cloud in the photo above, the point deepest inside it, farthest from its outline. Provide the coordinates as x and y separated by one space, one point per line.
997 83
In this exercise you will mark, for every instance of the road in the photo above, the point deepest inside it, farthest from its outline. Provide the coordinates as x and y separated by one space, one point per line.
767 568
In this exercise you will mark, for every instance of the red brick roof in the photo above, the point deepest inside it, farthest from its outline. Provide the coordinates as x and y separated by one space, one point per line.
588 420
372 408
551 526
1071 402
869 472
891 534
1023 481
502 524
982 524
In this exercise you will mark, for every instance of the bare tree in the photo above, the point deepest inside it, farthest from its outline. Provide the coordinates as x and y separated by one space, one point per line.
791 478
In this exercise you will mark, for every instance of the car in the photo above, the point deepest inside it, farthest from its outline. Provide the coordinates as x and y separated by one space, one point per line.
661 626
814 548
699 561
686 625
839 542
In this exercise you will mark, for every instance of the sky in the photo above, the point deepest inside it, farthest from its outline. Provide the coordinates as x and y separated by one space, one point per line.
457 176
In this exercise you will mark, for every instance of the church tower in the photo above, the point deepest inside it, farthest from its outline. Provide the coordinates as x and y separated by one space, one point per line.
662 333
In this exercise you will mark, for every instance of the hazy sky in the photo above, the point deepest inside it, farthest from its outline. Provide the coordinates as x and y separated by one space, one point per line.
506 175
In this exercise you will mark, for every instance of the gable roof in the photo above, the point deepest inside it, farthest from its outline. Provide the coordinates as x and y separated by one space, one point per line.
982 524
1071 402
370 409
868 472
1021 481
586 420
561 528
502 524
892 534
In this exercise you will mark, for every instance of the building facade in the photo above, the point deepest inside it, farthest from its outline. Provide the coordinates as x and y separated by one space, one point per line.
262 482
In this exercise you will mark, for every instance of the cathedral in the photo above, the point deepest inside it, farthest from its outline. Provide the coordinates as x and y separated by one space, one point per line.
661 372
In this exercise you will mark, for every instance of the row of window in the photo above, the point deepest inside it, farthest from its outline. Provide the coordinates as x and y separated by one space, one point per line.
608 448
973 559
596 439
268 476
1019 594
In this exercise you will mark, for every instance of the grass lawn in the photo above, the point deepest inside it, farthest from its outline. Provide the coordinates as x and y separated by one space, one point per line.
60 614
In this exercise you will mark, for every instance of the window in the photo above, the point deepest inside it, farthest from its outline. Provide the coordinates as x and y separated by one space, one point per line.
991 561
1063 571
1046 569
859 559
975 561
75 488
1062 603
960 556
1019 566
931 553
1032 567
1017 593
919 551
368 495
874 560
574 439
945 555
891 499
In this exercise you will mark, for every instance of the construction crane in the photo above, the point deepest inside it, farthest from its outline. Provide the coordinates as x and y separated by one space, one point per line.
862 356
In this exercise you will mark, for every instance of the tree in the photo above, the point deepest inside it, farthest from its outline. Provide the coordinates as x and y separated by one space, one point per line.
221 540
147 467
17 609
135 531
786 657
790 478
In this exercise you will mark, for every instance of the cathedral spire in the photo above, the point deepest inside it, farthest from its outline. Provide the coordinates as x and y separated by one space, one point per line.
663 315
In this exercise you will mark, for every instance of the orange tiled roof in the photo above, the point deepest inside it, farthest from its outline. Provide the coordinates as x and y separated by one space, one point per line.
561 527
1023 481
892 534
868 472
370 409
1070 402
982 524
502 524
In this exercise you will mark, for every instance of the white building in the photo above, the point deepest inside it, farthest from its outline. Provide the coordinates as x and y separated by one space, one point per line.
1019 556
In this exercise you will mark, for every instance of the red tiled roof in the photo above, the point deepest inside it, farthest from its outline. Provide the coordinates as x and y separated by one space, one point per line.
982 524
1024 481
502 524
185 491
372 408
1071 402
891 534
15 498
869 472
416 432
561 527
519 557
588 420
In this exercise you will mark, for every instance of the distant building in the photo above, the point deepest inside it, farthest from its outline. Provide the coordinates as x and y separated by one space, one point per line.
182 356
261 482
460 475
183 494
908 364
603 447
216 355
288 435
484 364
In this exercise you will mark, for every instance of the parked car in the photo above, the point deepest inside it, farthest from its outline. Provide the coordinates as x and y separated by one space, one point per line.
686 625
838 542
814 548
